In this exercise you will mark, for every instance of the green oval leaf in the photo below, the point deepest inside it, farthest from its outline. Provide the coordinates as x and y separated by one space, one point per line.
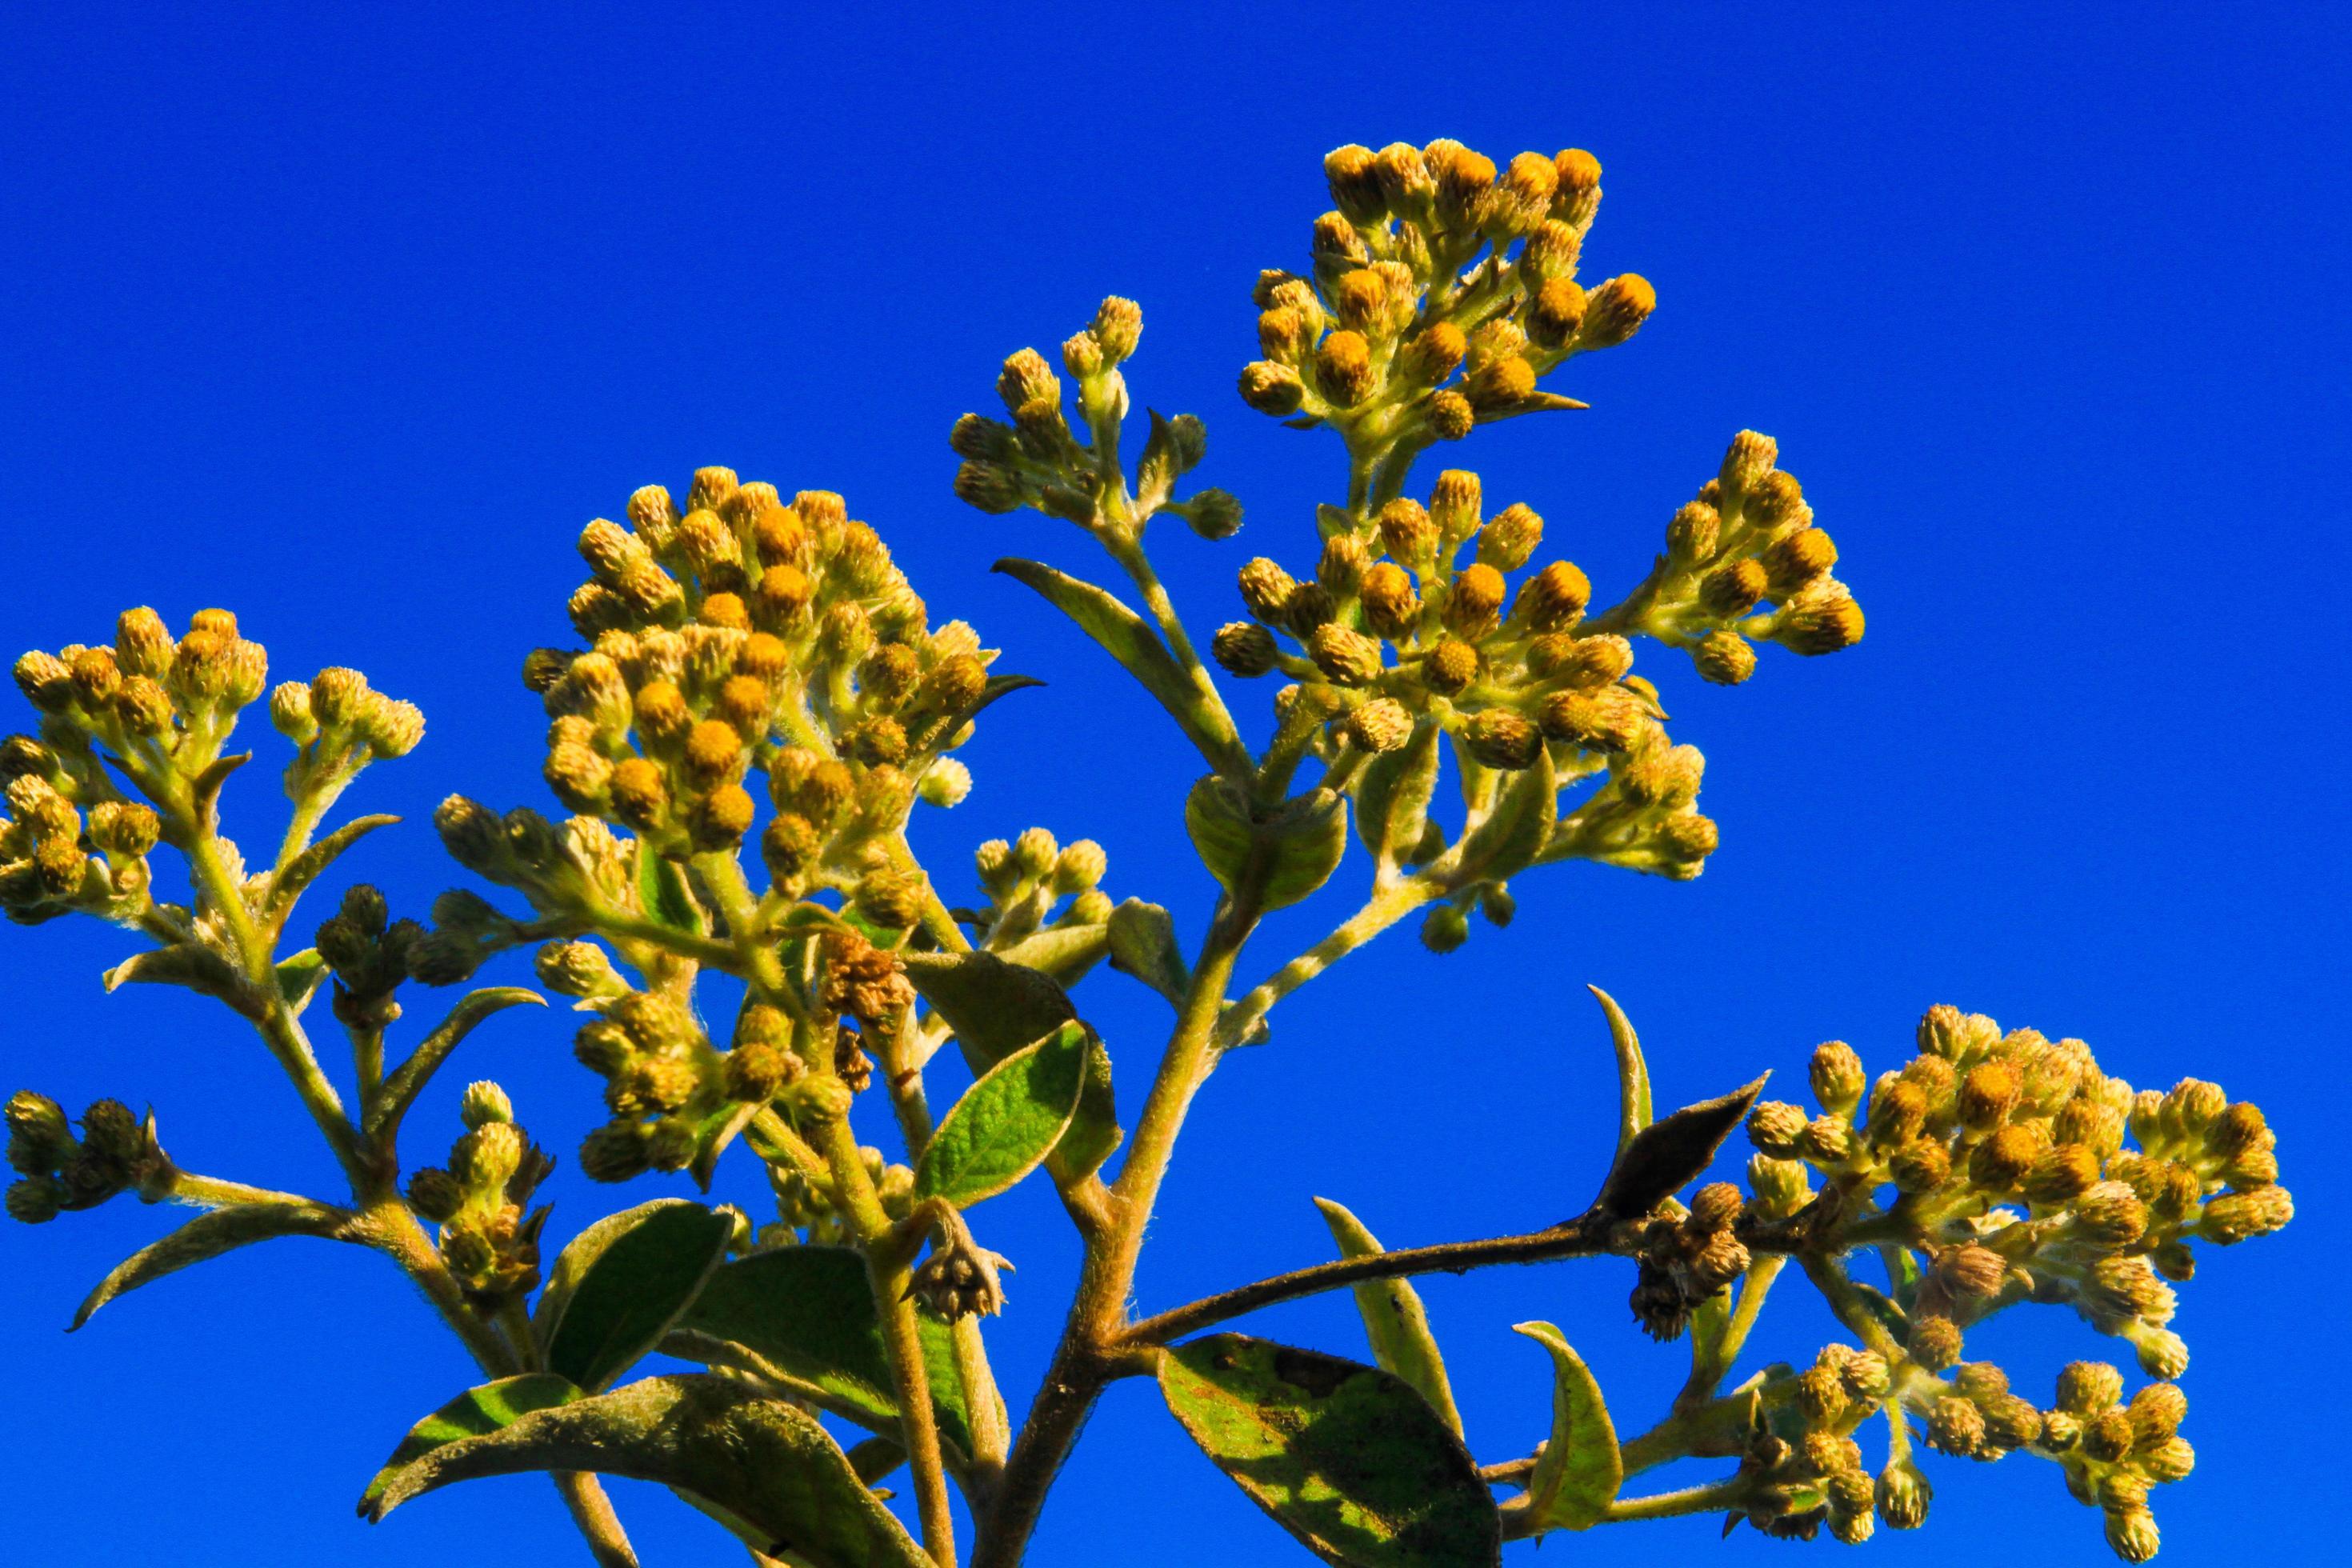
617 1289
995 1006
663 894
1006 1124
1348 1458
1577 1474
1393 798
765 1469
1394 1321
1143 944
1217 818
208 1236
1513 833
806 1315
1295 850
476 1413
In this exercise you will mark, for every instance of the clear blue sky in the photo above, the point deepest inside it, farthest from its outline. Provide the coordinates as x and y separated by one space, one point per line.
348 318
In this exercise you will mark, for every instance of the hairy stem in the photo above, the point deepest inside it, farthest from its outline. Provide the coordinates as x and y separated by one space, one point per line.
1234 763
1577 1239
1385 908
853 1195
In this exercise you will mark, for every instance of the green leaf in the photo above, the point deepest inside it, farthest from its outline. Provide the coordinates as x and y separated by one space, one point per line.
766 1469
1512 834
408 1081
1347 1457
1393 798
1664 1156
208 1236
1217 817
1633 1072
1093 1131
806 1314
617 1289
995 1006
1295 848
1129 639
1062 952
290 879
188 963
476 1413
1143 944
663 894
1007 1122
1394 1320
298 978
1578 1473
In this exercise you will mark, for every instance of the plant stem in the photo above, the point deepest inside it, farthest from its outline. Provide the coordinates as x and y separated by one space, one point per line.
1089 1355
1236 762
1713 1498
1385 909
854 1196
1577 1239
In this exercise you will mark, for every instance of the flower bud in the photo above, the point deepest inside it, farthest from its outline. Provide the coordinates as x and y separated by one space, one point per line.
1500 738
1346 657
484 1102
1379 725
1933 1341
1449 666
1444 928
434 1195
1343 369
1775 1126
1616 311
2132 1534
1732 589
1723 658
1555 596
1837 1076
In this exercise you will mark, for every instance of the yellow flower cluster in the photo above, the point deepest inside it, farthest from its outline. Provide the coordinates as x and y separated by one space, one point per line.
1412 621
1993 1167
746 632
2006 1155
71 840
1437 266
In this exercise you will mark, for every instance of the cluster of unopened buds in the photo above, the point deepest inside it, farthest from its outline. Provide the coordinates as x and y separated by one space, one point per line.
1993 1170
56 1171
479 1200
747 632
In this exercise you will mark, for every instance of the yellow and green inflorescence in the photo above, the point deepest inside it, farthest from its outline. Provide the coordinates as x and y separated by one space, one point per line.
753 685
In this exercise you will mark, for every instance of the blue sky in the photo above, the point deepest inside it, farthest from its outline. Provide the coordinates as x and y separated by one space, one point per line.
348 320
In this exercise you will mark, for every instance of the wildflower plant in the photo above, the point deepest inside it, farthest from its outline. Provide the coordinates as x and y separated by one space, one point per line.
752 704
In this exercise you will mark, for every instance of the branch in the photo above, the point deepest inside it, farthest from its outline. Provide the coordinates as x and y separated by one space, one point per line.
1582 1238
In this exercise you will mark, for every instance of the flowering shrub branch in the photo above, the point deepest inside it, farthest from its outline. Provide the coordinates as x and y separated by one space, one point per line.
756 702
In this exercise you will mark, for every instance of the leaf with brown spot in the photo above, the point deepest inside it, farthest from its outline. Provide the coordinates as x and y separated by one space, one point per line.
1348 1459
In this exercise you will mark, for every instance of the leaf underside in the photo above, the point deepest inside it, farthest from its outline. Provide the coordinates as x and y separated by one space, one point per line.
809 1313
208 1236
1577 1474
763 1468
1394 1320
1347 1457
